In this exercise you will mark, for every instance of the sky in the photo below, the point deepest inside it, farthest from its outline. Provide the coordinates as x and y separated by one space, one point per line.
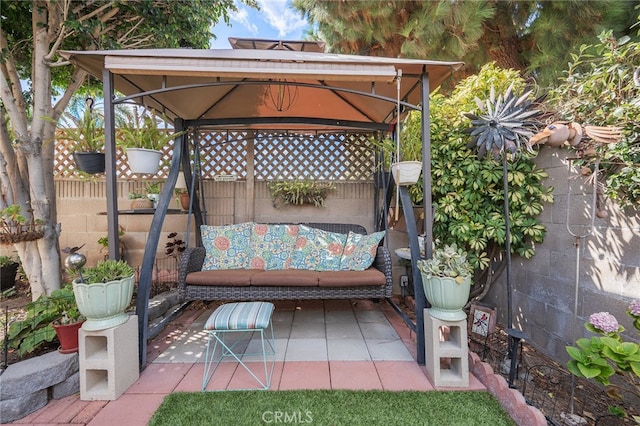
276 19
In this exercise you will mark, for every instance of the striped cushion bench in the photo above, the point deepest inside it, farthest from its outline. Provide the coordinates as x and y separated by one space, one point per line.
239 317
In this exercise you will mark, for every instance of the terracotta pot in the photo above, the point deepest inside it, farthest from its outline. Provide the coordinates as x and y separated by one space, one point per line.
68 336
185 200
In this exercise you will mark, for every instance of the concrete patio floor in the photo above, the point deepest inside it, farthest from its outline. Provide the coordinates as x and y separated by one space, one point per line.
331 344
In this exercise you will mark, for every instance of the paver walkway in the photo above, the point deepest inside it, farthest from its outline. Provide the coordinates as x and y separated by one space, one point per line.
320 345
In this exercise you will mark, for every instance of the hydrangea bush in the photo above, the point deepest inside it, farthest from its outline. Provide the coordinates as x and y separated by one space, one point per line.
607 354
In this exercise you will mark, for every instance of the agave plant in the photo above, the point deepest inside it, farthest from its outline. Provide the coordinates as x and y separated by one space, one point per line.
504 124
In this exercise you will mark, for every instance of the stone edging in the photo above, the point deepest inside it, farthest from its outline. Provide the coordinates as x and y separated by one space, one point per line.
510 399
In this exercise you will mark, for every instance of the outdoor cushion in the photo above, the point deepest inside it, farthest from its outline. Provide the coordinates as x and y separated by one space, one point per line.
232 277
286 278
368 277
360 251
240 316
318 250
272 246
227 247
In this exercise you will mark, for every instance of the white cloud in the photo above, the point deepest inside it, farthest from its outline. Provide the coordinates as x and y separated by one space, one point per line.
280 16
242 18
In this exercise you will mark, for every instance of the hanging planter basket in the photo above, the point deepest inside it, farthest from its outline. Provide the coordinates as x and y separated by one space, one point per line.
406 172
12 234
90 162
144 161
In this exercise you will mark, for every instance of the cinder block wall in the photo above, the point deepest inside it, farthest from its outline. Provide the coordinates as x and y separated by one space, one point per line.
544 287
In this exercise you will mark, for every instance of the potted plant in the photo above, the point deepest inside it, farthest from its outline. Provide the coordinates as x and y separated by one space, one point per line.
446 279
69 321
407 171
15 227
44 316
142 138
86 131
299 192
104 244
8 270
153 192
140 201
103 292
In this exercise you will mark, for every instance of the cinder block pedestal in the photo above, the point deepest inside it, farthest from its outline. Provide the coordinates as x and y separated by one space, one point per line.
108 361
455 349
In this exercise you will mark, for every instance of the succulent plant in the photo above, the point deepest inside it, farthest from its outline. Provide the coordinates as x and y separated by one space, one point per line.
105 271
448 261
504 123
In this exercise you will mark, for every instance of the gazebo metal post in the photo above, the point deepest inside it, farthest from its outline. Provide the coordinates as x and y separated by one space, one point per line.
110 166
414 249
151 246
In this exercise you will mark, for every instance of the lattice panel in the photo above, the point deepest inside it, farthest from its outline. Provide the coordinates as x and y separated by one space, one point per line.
346 156
223 153
318 157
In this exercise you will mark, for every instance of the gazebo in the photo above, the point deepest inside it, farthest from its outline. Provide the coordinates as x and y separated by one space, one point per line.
262 84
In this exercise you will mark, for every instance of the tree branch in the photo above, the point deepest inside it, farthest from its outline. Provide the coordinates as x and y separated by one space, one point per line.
12 96
57 20
76 81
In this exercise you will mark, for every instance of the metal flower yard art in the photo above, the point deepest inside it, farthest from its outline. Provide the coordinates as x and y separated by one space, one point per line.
505 122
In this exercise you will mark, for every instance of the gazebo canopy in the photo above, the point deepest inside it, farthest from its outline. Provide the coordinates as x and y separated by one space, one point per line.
226 87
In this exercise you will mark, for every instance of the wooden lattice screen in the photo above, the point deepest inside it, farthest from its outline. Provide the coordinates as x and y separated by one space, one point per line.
323 156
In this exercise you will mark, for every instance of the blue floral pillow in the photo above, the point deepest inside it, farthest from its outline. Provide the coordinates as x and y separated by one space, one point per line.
318 250
227 247
272 246
360 251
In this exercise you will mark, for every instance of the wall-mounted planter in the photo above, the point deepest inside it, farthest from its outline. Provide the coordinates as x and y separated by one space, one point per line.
144 161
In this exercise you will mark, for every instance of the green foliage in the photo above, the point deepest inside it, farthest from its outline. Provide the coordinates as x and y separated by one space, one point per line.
84 126
598 89
35 330
607 354
14 221
105 271
447 262
142 130
7 260
532 36
152 187
299 192
468 192
91 25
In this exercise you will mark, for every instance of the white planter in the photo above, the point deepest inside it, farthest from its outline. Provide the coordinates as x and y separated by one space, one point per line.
144 161
406 172
155 198
104 304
